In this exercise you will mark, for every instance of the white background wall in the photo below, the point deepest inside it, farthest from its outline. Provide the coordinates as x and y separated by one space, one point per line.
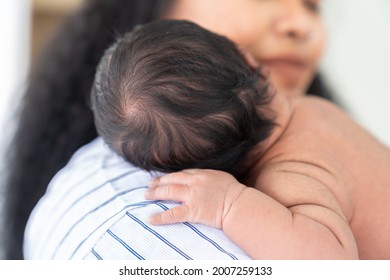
14 57
356 63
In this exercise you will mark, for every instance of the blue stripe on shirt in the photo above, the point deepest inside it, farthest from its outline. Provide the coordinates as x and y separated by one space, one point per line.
155 233
90 212
124 244
215 244
96 254
197 231
50 231
133 205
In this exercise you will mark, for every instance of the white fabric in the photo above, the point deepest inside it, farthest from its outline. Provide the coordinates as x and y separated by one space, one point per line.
94 208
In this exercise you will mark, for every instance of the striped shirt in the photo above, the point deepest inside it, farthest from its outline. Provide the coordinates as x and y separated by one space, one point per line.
94 208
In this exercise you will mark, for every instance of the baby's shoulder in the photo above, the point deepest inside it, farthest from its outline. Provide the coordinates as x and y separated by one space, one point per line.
315 119
317 106
294 182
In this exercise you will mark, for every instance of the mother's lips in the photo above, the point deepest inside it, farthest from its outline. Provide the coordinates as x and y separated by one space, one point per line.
287 70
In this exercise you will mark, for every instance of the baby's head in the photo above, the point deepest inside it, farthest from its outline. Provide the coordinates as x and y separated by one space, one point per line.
171 95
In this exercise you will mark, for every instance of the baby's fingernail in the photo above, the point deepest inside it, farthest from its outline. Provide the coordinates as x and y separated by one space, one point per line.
147 194
154 220
152 183
151 220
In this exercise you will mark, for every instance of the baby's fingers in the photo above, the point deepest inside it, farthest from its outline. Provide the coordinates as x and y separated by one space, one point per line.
167 192
175 215
179 178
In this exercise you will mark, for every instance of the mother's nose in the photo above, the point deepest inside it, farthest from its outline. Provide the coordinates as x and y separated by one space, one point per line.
294 20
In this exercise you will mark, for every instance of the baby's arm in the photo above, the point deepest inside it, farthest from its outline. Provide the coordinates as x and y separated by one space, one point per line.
282 225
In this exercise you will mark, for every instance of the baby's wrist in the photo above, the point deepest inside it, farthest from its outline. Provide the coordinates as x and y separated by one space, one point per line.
233 200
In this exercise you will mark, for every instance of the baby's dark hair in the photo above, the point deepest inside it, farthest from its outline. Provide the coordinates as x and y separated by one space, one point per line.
171 95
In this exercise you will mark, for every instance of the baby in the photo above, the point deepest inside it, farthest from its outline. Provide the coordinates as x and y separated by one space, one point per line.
309 183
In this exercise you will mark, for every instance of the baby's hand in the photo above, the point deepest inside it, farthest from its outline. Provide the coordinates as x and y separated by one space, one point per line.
206 196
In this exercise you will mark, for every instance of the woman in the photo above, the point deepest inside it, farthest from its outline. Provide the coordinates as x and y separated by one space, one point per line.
286 36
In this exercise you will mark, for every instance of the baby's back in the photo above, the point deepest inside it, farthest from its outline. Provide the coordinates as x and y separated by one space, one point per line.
355 167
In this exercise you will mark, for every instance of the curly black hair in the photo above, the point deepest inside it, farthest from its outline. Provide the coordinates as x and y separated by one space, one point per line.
172 95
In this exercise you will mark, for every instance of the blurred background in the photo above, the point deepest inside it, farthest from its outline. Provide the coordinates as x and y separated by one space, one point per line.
355 65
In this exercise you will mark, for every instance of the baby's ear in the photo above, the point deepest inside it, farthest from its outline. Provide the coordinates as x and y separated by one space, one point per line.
250 59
